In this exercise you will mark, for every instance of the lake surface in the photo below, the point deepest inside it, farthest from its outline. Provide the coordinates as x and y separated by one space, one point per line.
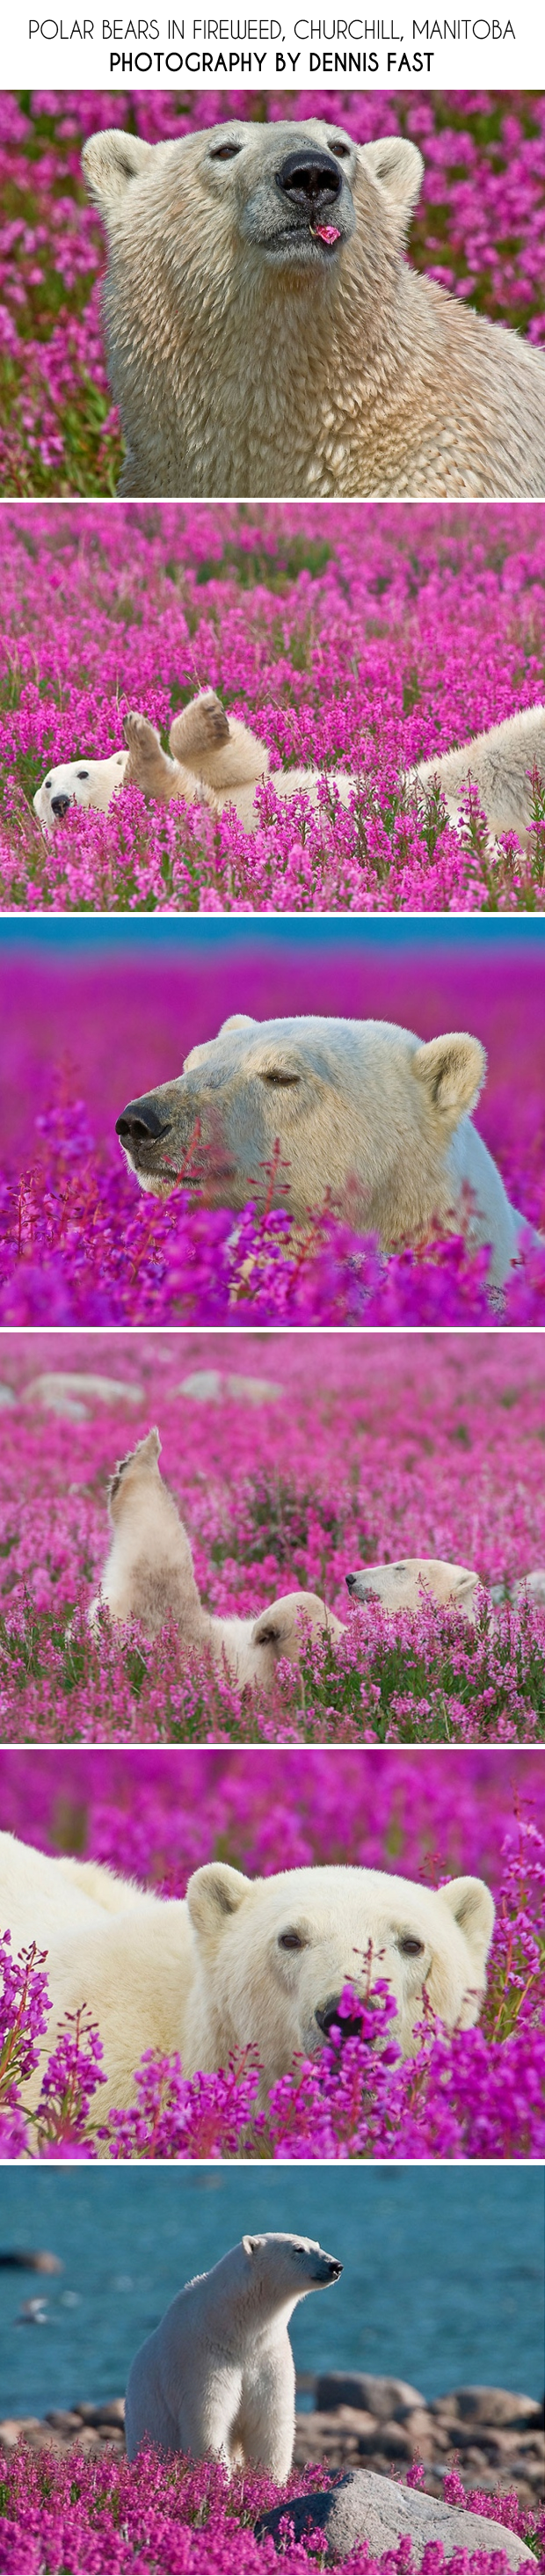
442 2281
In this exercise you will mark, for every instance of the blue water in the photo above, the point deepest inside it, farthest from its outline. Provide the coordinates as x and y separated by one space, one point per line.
443 2279
472 938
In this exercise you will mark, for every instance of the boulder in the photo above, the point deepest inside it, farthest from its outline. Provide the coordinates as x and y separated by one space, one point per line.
77 1392
37 2259
376 2396
7 1396
211 1386
495 2406
363 2507
111 2411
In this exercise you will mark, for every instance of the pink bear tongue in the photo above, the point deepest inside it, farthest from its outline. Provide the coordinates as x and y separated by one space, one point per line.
327 232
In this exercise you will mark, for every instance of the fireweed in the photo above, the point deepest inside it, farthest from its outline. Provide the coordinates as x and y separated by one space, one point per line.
366 639
479 229
472 2093
79 1245
179 2517
431 1446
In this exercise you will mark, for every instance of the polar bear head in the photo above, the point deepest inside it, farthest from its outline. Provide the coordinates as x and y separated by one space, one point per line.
284 2268
354 1113
78 782
251 202
272 1956
403 1585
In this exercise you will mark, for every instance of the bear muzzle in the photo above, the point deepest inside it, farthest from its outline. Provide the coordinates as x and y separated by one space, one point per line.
60 806
312 184
327 2017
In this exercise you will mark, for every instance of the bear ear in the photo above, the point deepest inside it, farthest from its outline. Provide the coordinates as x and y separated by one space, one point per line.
396 166
215 1892
251 2244
238 1020
452 1070
472 1905
271 1626
109 162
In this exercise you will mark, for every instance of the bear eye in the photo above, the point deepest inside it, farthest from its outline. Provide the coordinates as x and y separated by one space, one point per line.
341 151
226 152
48 782
291 1941
283 1081
410 1946
82 773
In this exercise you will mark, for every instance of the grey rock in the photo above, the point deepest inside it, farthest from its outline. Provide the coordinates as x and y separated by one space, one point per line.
376 2396
77 1392
364 2507
7 1397
495 2406
112 2411
211 1386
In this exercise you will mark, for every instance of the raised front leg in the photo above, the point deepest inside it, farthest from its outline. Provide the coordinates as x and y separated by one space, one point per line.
148 766
199 730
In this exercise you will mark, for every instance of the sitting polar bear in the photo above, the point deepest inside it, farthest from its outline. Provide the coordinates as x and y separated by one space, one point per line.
217 2379
366 1117
266 335
149 1576
240 1962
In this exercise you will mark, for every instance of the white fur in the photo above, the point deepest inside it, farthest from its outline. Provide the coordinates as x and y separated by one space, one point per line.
217 2380
212 1974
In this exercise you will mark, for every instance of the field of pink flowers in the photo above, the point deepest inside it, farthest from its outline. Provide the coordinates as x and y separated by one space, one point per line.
431 1445
79 1243
366 638
182 2520
477 2093
479 229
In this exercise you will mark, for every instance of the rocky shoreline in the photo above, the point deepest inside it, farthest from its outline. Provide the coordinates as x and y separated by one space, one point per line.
495 2437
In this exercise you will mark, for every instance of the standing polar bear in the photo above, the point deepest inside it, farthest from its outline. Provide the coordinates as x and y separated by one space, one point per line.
239 1962
266 335
217 2379
366 1117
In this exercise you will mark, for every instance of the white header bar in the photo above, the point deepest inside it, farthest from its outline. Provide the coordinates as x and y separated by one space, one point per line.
293 49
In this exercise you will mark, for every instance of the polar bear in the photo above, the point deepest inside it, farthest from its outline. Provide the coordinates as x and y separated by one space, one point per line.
149 1576
213 752
240 1962
368 1120
266 336
404 1584
217 2378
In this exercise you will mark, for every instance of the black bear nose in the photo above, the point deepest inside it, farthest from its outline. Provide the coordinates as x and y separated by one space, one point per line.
309 176
140 1122
60 804
328 2015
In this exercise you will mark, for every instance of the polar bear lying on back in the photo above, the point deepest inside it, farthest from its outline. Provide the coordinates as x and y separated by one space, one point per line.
266 335
366 1117
215 759
240 1962
217 2378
